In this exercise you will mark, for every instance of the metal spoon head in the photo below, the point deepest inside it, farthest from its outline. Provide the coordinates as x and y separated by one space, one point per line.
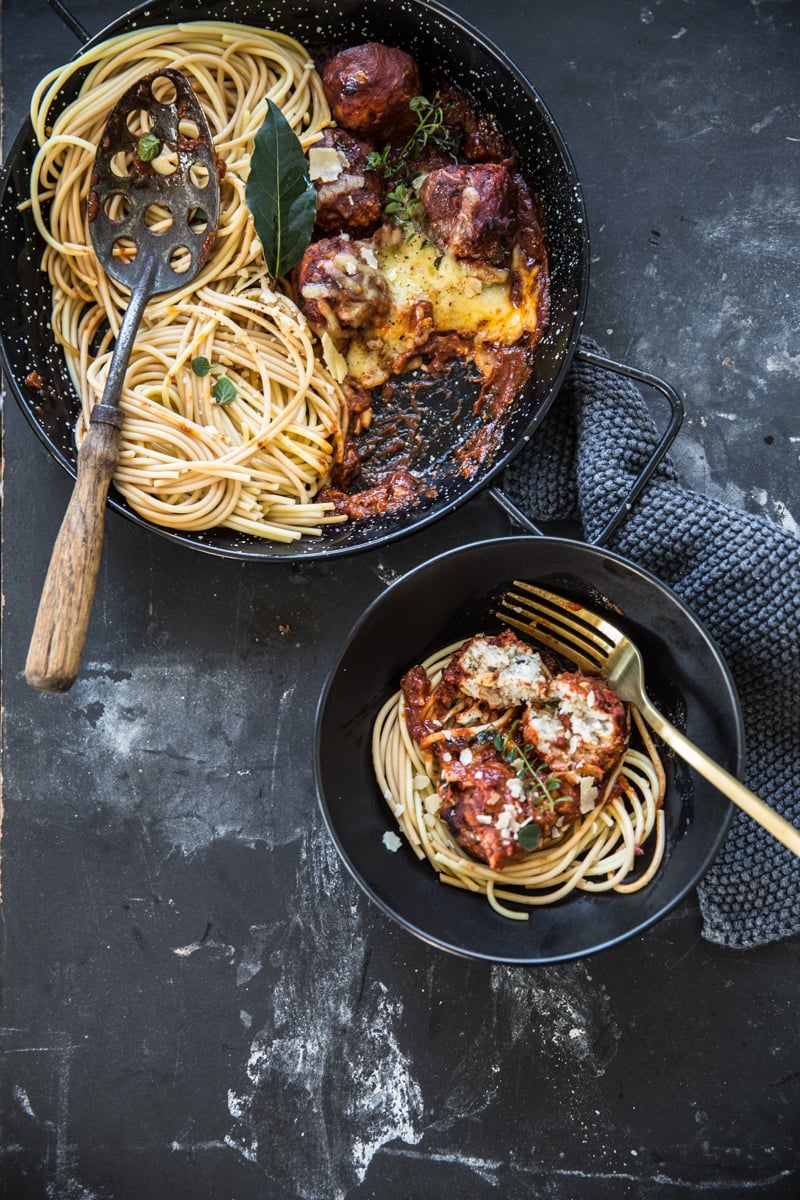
154 195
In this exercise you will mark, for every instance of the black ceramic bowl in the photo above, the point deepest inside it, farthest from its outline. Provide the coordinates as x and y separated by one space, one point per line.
443 43
451 597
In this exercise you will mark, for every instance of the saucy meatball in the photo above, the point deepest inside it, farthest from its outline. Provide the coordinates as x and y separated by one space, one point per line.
470 209
349 197
498 671
369 88
480 137
339 288
582 732
482 802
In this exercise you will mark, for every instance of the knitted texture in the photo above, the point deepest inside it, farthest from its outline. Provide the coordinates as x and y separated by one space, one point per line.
738 572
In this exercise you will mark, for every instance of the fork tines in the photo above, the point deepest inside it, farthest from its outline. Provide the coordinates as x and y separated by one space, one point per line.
561 624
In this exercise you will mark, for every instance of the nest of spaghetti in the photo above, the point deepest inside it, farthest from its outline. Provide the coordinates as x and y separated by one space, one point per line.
518 779
231 417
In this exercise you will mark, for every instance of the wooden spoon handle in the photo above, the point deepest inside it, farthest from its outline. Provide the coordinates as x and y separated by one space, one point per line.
66 603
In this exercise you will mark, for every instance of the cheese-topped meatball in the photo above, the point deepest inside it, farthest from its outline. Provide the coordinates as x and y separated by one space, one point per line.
581 730
500 671
483 801
339 288
349 197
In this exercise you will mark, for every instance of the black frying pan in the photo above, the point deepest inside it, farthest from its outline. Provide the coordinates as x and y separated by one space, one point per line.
440 41
451 597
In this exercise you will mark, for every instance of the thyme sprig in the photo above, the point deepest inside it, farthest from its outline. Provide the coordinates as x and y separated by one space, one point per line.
431 124
431 127
406 209
538 787
403 205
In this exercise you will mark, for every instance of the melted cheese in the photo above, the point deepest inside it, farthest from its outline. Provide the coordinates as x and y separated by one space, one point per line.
466 297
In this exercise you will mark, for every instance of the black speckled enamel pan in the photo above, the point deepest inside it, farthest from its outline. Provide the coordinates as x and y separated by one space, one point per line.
439 40
450 597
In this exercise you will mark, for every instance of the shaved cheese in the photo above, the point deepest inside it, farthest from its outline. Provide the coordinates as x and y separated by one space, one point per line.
325 164
334 360
589 794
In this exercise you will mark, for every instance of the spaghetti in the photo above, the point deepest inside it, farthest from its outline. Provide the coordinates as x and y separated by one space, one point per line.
256 462
592 851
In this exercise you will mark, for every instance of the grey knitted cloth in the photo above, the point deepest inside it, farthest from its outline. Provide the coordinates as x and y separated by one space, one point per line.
736 571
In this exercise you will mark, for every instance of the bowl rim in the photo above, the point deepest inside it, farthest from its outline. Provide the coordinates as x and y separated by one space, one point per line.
542 544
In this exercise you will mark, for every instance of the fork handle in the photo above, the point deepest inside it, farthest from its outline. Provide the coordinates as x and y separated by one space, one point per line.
781 829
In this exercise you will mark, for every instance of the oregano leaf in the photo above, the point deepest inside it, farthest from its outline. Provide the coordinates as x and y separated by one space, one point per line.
149 147
529 836
223 391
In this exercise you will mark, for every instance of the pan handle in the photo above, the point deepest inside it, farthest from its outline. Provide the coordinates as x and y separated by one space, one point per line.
72 23
515 513
645 474
662 446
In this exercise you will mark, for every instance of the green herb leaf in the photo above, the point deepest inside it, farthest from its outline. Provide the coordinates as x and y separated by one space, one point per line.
149 147
529 836
379 161
539 787
279 194
223 391
201 366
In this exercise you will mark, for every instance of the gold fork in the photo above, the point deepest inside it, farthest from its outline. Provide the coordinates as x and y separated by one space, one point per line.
597 646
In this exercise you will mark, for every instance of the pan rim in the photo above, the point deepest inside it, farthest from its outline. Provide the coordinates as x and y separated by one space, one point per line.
374 535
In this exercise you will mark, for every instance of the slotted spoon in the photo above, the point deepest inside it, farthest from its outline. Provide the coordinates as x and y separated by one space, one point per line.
597 646
152 209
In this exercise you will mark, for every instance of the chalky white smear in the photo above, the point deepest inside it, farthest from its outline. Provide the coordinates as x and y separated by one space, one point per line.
327 1070
177 748
326 1083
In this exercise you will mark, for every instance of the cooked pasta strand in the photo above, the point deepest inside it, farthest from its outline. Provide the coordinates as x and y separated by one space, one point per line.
255 464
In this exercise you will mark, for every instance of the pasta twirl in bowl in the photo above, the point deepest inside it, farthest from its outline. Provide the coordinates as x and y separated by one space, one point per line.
441 606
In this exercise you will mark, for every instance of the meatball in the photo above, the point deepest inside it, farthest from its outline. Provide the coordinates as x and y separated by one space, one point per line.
581 731
481 139
339 288
349 197
369 88
471 209
483 802
500 671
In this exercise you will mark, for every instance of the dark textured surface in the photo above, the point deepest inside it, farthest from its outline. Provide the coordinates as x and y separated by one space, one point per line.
197 1001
